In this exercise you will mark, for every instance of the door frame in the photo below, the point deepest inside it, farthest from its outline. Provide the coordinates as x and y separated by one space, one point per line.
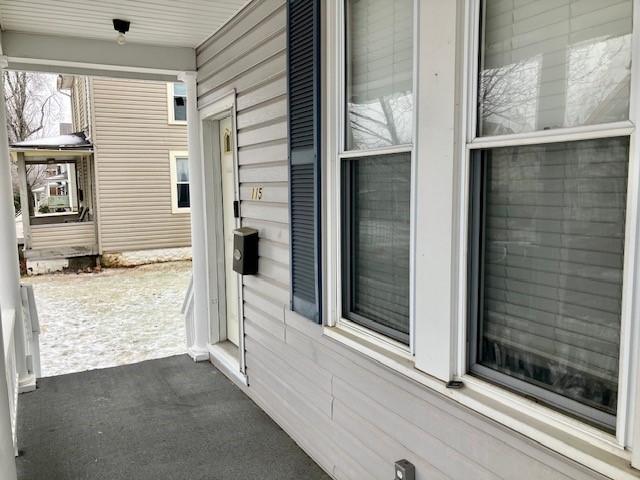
218 346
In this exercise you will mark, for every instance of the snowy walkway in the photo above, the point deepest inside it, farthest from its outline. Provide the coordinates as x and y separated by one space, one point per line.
115 317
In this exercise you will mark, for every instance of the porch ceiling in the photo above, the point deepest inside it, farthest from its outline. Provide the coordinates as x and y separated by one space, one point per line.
183 23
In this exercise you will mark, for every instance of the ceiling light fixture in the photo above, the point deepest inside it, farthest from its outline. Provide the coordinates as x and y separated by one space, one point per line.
122 27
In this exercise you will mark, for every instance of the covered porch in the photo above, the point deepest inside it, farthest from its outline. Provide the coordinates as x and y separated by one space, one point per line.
57 196
169 418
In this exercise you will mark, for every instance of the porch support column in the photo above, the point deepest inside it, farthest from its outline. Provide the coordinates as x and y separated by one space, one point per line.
200 325
10 297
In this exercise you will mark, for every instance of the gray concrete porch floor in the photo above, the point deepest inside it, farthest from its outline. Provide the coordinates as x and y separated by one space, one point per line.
159 419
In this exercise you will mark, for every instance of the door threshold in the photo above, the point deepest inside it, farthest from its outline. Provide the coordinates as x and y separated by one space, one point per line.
225 356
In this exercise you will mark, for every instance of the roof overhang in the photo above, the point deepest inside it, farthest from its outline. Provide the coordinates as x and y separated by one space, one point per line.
50 155
85 56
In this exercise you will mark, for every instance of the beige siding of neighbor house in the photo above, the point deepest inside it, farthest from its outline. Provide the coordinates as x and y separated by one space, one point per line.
79 106
133 140
62 235
351 414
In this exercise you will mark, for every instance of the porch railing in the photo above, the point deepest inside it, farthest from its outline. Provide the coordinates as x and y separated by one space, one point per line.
32 327
187 312
31 349
8 318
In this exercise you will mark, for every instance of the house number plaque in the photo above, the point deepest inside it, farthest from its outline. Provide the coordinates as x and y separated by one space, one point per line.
256 193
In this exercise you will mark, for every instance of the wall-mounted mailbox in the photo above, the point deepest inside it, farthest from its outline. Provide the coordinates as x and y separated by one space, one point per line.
245 251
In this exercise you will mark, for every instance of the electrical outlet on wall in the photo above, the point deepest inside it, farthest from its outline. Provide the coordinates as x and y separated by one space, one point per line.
404 470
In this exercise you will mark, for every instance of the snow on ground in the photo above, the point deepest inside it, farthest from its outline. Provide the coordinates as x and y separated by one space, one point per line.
114 317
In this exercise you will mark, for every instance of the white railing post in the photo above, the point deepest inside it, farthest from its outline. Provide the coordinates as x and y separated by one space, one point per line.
32 324
9 264
200 325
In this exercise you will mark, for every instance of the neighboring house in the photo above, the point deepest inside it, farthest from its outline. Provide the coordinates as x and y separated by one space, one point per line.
139 173
58 204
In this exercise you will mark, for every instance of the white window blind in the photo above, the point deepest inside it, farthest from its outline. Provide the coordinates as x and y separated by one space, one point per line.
379 73
377 193
554 63
550 271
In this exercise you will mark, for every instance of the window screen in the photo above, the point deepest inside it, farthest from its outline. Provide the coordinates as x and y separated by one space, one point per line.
547 262
553 64
376 213
379 73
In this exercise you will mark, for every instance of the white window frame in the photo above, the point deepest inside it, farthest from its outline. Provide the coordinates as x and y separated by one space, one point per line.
338 152
171 119
173 156
439 314
628 341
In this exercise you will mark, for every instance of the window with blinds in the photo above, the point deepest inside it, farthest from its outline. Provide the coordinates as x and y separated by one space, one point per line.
376 198
553 64
379 73
376 188
551 224
547 219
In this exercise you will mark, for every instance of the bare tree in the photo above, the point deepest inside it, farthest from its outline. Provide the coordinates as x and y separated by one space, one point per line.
34 106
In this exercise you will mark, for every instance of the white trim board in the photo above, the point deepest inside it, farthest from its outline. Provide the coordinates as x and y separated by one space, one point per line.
221 108
224 356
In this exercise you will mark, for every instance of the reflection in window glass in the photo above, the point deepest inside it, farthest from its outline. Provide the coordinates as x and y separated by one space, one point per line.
544 68
379 73
376 208
551 236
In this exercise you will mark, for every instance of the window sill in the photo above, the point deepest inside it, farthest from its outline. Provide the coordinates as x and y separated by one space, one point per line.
177 211
177 122
571 438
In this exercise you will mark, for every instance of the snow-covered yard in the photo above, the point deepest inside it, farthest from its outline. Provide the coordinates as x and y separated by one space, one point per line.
114 317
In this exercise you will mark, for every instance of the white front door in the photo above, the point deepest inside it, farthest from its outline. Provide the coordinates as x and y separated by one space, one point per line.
229 224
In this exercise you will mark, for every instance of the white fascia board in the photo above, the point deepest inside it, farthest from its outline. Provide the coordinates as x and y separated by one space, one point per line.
85 56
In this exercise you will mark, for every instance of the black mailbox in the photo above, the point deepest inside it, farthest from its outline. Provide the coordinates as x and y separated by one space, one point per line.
245 251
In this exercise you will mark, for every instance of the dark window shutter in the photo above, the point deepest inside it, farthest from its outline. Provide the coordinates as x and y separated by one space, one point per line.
303 68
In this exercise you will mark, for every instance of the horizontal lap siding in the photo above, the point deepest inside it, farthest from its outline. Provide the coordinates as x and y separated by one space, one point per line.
133 139
352 415
63 235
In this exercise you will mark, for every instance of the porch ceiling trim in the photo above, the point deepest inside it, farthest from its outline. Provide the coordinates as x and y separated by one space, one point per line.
86 56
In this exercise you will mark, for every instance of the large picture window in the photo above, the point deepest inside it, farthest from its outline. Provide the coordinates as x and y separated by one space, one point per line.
375 166
547 216
549 231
